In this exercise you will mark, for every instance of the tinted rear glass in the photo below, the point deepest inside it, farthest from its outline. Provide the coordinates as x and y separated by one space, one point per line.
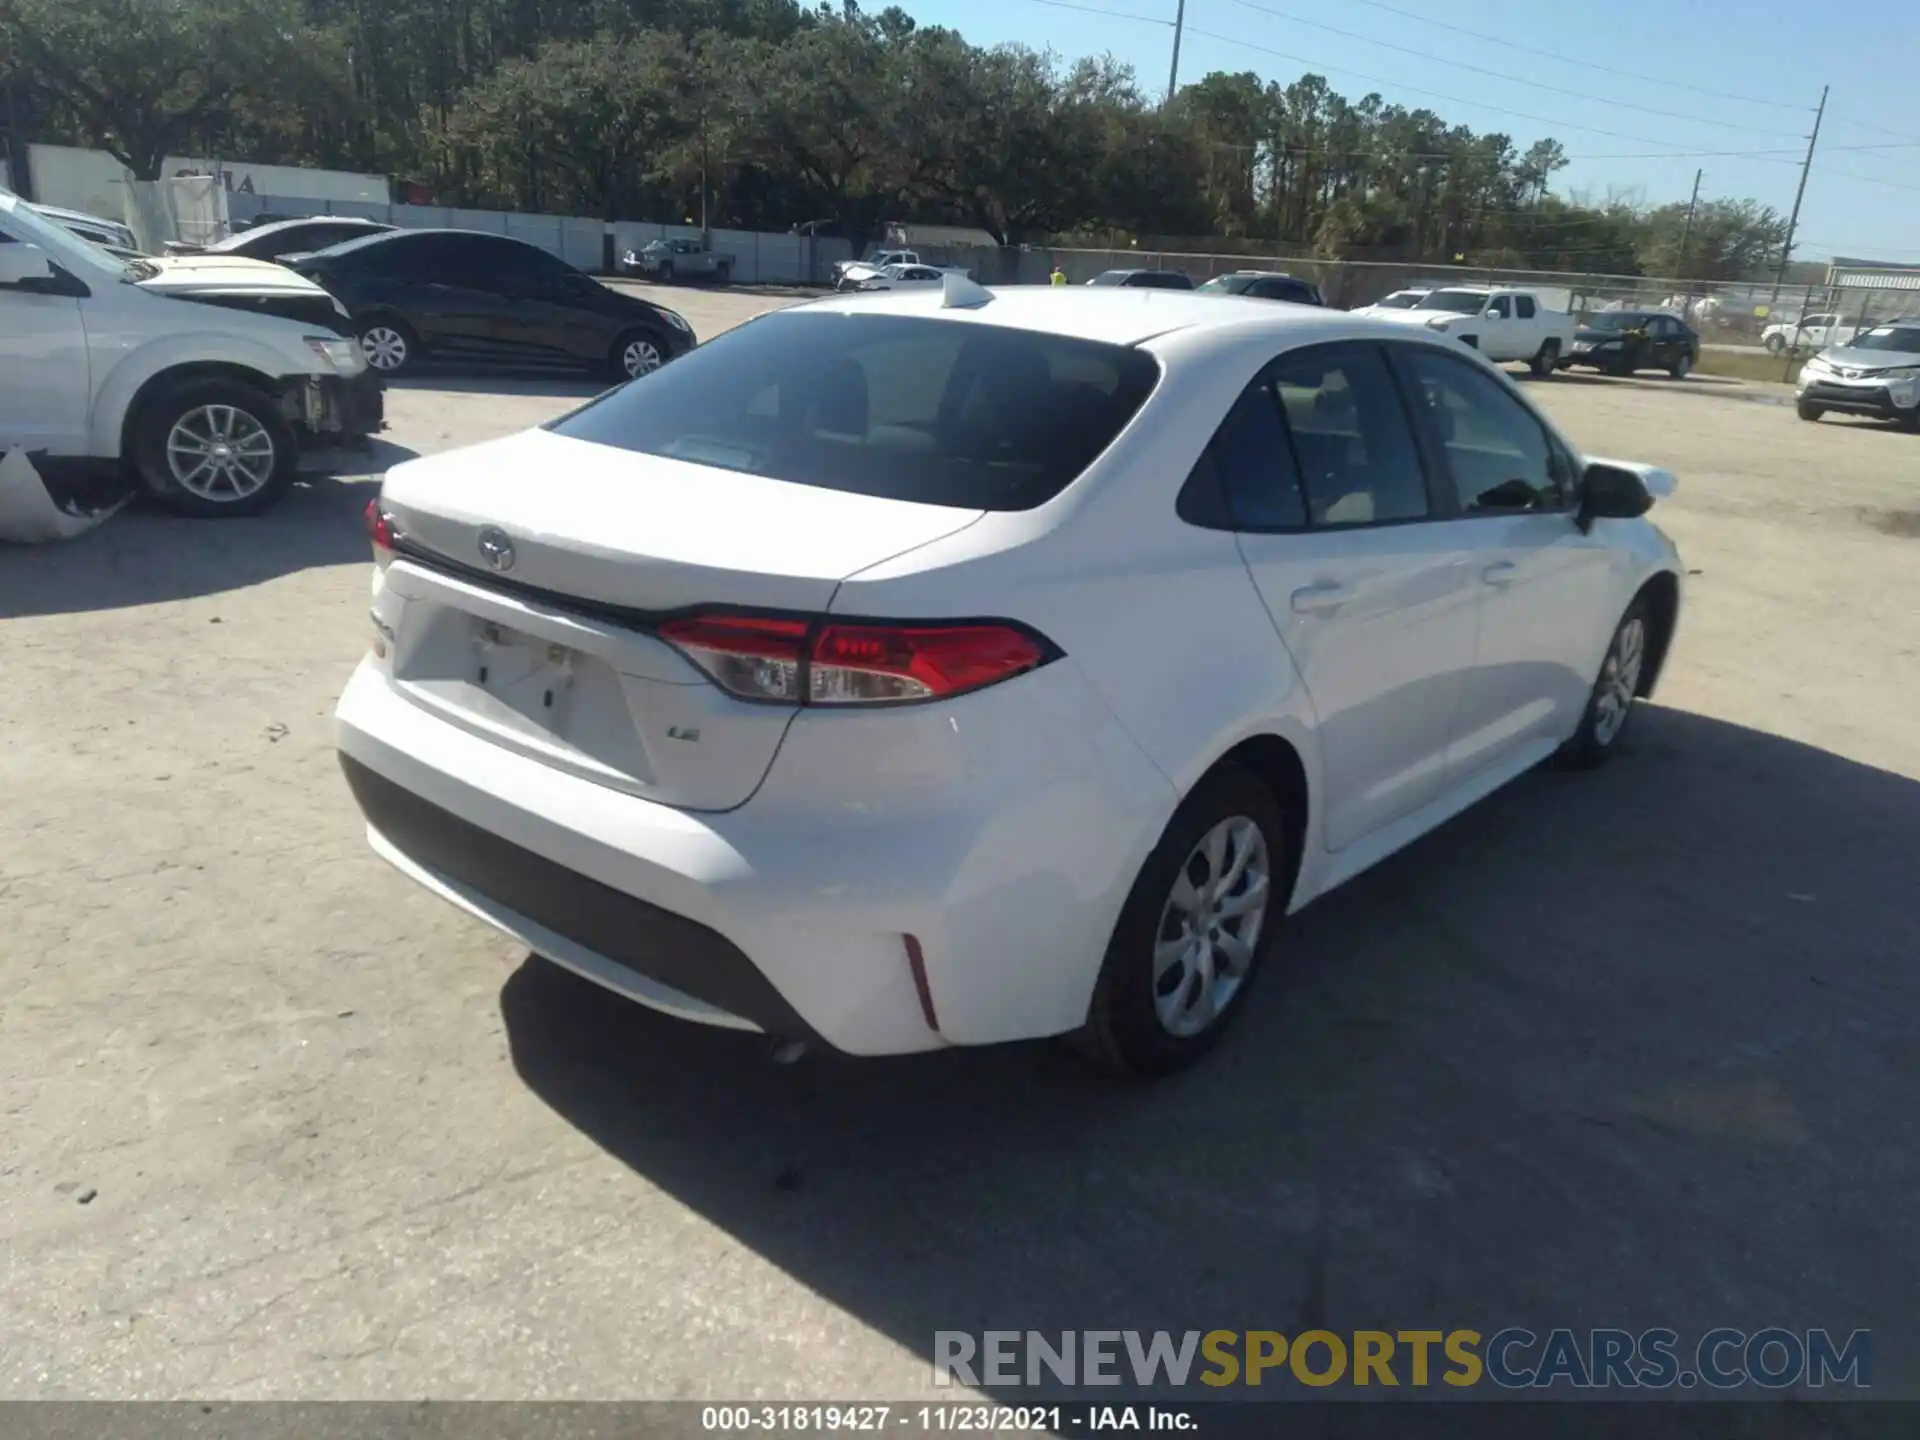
937 411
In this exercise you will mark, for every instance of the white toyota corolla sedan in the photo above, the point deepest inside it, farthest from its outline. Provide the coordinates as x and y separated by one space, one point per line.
952 667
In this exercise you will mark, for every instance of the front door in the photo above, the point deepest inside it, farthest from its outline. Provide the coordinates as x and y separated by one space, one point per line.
1545 589
44 375
1367 584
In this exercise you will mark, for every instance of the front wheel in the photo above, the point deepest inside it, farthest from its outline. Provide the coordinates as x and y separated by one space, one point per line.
1610 705
214 448
723 275
666 272
1807 411
1195 928
1547 360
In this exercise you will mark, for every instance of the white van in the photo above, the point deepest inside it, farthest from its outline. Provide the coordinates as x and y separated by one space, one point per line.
200 382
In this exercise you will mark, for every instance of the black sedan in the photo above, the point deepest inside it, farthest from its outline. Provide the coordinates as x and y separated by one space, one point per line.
1619 342
285 237
1144 279
465 296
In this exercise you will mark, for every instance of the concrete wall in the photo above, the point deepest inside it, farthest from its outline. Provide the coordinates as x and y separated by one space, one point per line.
758 258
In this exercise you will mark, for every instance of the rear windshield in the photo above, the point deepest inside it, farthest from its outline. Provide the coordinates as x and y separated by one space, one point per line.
943 412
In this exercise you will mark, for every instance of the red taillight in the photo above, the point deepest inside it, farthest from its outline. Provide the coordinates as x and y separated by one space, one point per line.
379 527
826 663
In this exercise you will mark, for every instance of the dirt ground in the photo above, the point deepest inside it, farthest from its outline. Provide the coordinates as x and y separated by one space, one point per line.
1632 1048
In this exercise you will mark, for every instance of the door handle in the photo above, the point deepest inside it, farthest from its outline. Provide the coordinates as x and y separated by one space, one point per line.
1501 572
1320 599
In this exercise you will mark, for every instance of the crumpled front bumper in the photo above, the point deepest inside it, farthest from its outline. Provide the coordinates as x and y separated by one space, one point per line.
327 409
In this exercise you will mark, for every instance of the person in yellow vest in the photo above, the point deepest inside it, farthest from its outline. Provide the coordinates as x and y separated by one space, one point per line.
1059 276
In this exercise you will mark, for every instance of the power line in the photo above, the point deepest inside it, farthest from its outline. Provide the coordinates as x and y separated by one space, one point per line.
1507 42
1511 79
1110 14
1667 151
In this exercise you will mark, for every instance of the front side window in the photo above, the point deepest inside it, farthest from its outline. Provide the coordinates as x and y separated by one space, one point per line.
1500 307
1499 455
935 411
1356 455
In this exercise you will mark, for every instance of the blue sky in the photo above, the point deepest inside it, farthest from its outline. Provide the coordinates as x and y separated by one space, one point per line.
1655 77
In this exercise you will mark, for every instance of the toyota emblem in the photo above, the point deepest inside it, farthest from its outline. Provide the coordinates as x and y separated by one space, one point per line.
496 549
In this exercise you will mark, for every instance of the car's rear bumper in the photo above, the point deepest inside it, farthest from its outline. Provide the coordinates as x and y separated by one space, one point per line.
1861 400
998 845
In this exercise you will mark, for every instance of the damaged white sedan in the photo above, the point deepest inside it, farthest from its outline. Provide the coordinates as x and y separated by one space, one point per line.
110 383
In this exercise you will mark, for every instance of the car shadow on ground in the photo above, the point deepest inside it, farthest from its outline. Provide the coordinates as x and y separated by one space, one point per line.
144 556
1627 1048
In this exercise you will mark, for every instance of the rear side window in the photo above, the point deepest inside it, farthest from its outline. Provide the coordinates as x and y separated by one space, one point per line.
1245 478
1523 305
1357 458
943 412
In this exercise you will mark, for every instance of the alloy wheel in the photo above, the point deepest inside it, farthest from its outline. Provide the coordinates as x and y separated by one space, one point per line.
220 453
640 357
1210 926
384 347
1619 680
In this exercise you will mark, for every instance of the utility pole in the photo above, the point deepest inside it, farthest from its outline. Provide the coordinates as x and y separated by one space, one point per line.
1793 220
1686 235
1173 73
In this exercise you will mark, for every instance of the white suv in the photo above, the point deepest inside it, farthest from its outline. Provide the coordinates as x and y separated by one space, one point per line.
199 379
952 667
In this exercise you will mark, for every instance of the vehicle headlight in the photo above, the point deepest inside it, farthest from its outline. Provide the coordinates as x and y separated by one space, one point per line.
1609 344
1440 322
674 319
1901 372
345 356
1818 362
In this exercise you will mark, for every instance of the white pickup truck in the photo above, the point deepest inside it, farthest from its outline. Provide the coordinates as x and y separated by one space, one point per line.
1502 324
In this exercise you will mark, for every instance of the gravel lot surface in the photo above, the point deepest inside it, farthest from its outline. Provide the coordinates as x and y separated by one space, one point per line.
1632 1048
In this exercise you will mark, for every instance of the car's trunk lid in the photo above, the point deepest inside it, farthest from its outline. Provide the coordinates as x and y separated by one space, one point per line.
531 571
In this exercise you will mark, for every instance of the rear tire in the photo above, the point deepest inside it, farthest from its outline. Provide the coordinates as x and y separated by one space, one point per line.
1546 361
1681 367
1808 411
1775 344
214 449
1187 949
723 275
1610 703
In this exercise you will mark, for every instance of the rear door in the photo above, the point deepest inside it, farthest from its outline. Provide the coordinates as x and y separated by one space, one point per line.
1369 584
1546 591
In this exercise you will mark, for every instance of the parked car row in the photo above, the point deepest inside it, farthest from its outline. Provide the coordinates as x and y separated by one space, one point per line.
106 380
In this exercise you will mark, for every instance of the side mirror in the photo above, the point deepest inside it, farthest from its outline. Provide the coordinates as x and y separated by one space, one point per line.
1610 493
21 265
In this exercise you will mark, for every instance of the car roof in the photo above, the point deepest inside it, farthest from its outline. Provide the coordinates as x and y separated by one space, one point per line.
1108 314
275 227
382 237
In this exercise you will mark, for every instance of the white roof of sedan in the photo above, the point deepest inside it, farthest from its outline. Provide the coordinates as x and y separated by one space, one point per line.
1112 314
